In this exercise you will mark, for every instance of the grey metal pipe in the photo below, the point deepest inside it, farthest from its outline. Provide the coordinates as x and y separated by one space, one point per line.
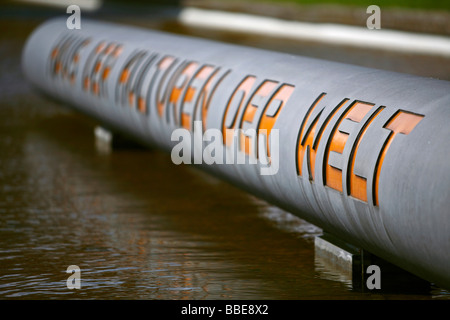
362 153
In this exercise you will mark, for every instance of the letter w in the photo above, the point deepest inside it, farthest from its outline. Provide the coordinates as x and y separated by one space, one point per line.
311 132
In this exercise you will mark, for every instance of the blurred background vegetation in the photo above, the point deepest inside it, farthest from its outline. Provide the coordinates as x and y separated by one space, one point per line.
422 16
411 4
417 4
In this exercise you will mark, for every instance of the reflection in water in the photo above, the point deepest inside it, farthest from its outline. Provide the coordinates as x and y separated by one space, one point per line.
138 226
134 220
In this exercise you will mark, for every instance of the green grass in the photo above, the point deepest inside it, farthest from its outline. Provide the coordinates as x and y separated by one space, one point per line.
412 4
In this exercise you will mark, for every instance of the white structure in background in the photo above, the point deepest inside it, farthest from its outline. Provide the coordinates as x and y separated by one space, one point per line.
327 33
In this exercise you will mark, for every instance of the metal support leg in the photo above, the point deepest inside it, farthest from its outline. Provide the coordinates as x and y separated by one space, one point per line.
340 261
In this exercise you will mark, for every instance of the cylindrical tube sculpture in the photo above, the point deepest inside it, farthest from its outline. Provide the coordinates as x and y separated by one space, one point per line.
361 153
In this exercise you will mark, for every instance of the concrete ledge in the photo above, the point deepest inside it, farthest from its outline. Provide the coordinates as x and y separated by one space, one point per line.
337 260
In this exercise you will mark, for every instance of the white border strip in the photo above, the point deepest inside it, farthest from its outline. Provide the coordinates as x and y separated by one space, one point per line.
328 33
